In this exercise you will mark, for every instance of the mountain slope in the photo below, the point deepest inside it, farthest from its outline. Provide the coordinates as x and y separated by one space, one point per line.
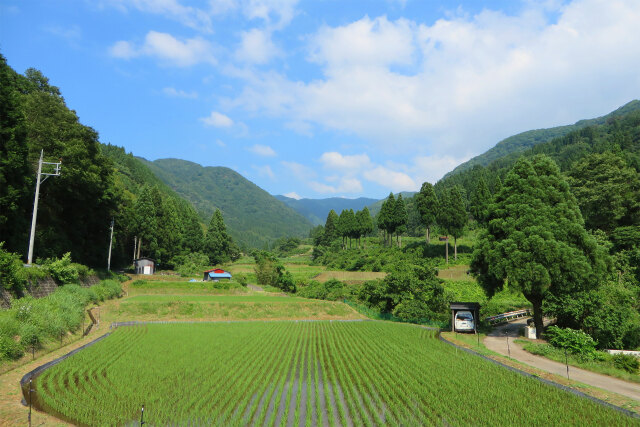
525 140
316 210
253 216
620 135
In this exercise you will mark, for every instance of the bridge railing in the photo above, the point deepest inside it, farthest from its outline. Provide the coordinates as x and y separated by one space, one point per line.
506 317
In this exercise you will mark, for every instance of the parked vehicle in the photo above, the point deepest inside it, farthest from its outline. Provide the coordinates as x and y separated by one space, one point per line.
464 321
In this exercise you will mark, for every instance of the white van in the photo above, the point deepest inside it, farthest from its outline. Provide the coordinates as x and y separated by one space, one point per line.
464 321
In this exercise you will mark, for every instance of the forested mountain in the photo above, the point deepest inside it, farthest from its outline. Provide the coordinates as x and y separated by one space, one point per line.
523 141
619 134
253 216
316 210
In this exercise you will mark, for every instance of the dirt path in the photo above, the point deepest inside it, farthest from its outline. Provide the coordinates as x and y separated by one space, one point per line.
255 287
497 341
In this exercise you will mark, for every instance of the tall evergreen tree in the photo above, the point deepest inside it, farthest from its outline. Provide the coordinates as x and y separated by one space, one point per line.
386 217
331 228
480 200
536 238
217 243
607 190
16 182
145 223
428 206
364 221
453 216
400 218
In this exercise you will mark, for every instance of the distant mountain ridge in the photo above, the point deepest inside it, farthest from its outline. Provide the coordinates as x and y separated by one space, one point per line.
253 216
525 140
316 210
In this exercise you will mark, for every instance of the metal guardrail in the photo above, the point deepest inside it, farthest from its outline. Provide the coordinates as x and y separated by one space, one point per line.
505 317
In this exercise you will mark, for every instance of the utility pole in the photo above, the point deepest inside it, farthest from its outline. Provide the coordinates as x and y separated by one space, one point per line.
56 172
110 242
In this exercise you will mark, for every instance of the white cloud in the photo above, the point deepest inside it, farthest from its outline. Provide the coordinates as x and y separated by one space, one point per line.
346 185
169 50
262 150
463 83
335 160
217 120
123 50
395 181
189 16
176 93
275 13
256 47
264 171
364 43
220 143
293 195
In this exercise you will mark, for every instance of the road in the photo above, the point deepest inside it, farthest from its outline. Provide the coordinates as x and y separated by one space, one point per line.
497 341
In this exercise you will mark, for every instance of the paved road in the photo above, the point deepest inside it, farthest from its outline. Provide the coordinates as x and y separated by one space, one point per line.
497 341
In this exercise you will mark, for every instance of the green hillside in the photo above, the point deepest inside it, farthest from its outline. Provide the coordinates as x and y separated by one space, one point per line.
316 210
619 134
525 140
253 216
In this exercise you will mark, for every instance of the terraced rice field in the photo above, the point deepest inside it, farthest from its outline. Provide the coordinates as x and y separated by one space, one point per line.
299 373
230 307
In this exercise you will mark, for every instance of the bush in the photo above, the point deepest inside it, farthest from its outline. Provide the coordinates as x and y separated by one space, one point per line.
10 349
62 270
627 362
11 275
574 341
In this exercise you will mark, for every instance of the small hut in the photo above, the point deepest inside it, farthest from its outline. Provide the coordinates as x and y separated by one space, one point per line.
473 307
144 266
216 274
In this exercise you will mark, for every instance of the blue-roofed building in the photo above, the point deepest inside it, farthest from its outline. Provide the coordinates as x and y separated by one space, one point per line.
216 274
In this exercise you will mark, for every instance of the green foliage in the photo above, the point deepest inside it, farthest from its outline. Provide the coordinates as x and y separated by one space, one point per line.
626 362
409 292
287 245
192 264
480 200
15 171
62 270
218 245
607 190
574 341
11 272
34 322
270 272
536 238
331 290
428 206
608 313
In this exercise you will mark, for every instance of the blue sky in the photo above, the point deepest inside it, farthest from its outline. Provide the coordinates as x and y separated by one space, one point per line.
327 98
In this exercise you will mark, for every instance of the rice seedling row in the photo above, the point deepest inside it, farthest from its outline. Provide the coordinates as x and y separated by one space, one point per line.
298 374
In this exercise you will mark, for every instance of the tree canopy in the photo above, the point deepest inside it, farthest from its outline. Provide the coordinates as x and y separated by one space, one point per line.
536 238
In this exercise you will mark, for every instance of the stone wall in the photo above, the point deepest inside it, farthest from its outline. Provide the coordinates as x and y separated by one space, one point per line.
42 287
5 298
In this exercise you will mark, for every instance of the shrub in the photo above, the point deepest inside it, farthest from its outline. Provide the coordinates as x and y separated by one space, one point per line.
11 276
9 348
62 270
627 362
574 341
